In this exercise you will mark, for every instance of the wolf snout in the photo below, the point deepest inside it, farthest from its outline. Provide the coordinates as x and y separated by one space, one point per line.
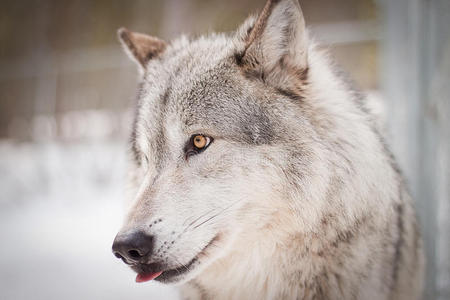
133 246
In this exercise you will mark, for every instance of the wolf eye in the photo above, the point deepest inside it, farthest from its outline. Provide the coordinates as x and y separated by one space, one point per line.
197 144
200 141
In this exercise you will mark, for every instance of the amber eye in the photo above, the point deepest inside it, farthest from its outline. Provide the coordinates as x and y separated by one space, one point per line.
197 143
200 141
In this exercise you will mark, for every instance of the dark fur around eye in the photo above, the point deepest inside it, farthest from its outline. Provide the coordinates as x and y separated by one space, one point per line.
190 149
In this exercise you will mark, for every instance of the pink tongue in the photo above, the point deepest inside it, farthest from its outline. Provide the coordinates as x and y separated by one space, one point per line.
147 277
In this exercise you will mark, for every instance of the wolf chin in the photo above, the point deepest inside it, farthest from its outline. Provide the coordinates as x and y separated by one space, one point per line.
258 173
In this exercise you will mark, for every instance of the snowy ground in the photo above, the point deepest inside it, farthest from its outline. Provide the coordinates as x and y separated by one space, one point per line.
60 207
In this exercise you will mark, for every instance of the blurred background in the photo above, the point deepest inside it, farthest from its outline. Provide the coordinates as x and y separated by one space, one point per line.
66 91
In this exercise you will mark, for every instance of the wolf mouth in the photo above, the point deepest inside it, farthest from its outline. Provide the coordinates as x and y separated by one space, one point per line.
169 275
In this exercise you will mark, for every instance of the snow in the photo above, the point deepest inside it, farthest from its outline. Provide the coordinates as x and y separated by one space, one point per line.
60 208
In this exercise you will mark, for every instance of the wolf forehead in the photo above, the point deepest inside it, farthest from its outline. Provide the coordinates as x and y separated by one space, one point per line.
200 83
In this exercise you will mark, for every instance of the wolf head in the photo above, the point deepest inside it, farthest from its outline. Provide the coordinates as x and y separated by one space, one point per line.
229 139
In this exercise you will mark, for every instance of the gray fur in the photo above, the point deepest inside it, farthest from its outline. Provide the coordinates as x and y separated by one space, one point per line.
297 197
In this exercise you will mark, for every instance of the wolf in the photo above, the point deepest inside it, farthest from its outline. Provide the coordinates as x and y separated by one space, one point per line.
258 172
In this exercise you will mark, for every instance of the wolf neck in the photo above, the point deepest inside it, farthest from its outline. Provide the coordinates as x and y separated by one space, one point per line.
279 264
268 265
254 269
276 261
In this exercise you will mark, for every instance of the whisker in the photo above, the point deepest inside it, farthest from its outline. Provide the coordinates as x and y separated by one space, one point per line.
179 263
200 217
219 213
193 222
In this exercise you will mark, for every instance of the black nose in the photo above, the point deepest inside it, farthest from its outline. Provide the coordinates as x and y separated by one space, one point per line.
133 246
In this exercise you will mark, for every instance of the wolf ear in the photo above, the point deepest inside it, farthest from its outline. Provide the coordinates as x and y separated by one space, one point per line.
140 47
276 38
